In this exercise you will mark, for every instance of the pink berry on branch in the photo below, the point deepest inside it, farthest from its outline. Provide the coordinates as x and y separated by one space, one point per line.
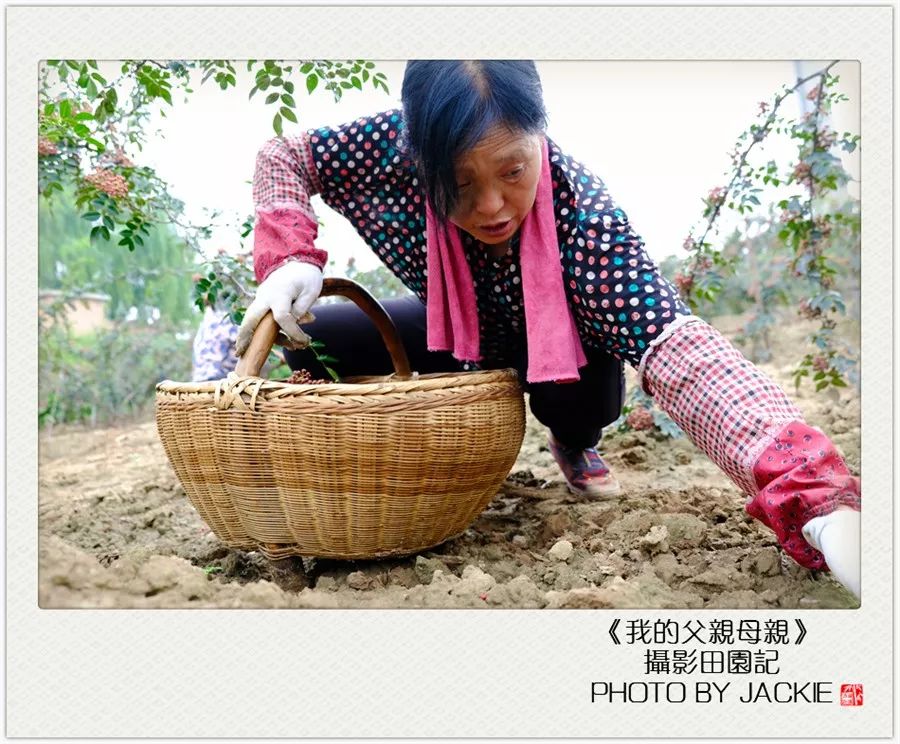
684 282
801 171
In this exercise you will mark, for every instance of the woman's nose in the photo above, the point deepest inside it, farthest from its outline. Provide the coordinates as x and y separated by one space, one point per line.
489 201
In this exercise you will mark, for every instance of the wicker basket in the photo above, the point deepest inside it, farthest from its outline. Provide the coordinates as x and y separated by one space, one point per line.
370 467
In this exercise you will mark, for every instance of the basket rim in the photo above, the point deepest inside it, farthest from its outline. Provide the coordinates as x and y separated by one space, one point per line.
371 384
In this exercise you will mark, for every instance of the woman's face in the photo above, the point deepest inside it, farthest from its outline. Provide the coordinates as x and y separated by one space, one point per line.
497 182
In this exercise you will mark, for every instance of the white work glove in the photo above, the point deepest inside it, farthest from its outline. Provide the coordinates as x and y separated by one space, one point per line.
288 292
836 535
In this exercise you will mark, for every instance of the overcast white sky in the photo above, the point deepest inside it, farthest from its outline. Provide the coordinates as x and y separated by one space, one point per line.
657 133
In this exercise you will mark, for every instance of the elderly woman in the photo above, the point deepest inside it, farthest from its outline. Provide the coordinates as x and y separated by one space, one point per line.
517 256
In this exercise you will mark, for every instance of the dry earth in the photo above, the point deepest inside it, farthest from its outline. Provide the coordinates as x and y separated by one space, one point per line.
116 530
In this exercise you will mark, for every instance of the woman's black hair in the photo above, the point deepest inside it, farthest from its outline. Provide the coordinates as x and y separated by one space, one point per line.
449 105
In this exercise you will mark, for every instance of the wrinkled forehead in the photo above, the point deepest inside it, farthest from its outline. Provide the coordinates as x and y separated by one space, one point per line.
499 145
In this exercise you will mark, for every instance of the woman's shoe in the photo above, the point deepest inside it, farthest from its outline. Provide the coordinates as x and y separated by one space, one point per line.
585 471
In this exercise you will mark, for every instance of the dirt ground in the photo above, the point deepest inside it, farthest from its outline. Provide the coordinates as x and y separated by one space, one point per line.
116 530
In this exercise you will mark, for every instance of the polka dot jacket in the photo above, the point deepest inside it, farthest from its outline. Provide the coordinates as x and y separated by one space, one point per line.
619 301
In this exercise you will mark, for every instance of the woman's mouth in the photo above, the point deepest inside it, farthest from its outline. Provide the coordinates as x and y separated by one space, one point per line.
497 229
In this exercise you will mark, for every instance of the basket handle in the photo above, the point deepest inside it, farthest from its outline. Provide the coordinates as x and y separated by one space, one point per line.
266 332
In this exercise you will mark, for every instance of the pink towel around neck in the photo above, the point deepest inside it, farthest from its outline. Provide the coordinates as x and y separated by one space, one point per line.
554 349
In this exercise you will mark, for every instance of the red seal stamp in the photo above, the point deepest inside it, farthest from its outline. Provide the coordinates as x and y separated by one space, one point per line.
851 694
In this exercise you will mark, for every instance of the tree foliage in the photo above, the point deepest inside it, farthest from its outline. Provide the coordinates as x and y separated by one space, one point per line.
109 224
145 285
814 235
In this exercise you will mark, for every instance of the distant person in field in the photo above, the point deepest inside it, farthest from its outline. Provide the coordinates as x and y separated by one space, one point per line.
213 355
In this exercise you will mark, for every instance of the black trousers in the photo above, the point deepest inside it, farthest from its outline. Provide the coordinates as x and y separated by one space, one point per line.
574 412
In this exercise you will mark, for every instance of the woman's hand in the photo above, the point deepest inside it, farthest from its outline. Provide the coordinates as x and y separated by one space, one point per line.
837 536
289 292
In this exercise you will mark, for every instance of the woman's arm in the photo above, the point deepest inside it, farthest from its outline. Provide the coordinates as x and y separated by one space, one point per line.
286 226
359 170
730 409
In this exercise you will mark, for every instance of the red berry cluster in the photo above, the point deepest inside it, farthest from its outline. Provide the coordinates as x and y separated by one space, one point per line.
303 377
46 147
111 183
801 171
118 157
684 282
640 419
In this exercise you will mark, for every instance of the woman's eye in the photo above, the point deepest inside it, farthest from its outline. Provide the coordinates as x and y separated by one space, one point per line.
515 172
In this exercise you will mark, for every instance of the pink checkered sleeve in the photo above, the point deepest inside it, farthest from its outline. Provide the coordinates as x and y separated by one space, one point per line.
728 407
285 175
286 225
746 424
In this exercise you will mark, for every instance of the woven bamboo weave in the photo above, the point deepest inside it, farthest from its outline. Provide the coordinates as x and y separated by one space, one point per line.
370 467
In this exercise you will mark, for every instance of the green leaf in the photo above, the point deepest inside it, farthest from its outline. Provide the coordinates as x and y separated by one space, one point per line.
271 98
104 231
311 82
355 81
288 114
288 100
91 216
253 91
83 116
306 68
288 86
276 124
110 225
